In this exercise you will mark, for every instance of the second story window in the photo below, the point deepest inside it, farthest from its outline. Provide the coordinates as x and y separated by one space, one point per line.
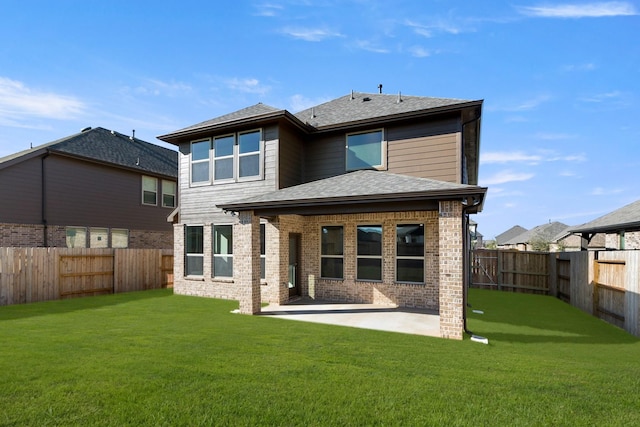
366 150
223 148
149 190
168 194
200 162
227 158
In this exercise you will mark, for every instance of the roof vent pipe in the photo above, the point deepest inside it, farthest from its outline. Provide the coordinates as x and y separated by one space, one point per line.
380 87
133 135
399 97
352 95
313 112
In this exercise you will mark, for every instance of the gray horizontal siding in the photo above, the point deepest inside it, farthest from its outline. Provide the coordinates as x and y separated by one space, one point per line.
198 205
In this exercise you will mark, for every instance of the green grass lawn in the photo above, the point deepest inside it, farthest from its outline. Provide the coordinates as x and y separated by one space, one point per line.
152 358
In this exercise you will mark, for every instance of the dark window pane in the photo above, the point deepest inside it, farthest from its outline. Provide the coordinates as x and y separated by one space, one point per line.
332 268
263 248
369 269
410 270
193 244
200 150
370 240
249 142
194 266
410 240
263 268
332 240
200 172
364 150
223 146
168 200
149 198
250 165
223 266
224 169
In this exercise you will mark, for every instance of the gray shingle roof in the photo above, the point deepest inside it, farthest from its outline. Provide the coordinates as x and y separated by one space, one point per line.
253 111
625 218
365 106
514 231
358 185
113 148
545 232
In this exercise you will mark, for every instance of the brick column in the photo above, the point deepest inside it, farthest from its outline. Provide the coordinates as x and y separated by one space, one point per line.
246 261
451 269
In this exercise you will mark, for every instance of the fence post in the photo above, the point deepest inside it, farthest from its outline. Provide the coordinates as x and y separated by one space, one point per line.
499 269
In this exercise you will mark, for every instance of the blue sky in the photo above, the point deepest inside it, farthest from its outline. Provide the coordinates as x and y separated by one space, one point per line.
560 80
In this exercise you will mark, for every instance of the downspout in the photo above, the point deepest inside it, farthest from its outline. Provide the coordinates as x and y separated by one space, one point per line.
43 199
466 250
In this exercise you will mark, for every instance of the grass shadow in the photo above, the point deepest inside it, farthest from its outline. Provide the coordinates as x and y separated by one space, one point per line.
526 318
44 308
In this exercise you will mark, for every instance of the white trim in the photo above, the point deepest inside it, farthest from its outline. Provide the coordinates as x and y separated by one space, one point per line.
155 180
231 156
174 194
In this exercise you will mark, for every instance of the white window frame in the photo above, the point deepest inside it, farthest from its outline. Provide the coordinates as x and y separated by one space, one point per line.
214 254
383 150
263 253
238 155
144 190
174 186
410 257
207 160
380 257
188 255
324 256
231 156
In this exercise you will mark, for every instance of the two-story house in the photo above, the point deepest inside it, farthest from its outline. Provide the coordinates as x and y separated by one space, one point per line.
97 188
361 199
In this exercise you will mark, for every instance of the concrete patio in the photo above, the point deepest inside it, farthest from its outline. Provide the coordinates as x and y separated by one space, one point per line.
367 316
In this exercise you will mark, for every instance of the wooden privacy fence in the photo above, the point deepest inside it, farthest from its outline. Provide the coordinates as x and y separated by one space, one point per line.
511 270
605 284
42 274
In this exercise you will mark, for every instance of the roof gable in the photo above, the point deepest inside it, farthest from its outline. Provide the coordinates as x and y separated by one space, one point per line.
514 231
110 147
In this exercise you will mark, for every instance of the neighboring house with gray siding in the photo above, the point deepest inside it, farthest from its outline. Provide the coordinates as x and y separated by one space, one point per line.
97 188
620 227
364 199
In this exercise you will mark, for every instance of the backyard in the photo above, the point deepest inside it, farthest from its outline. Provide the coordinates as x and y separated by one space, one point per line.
154 358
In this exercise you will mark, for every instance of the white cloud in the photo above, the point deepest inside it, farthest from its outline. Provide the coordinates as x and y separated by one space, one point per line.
155 87
419 52
506 176
579 67
602 97
19 102
247 85
600 191
299 102
584 10
507 157
525 105
310 34
533 159
268 9
370 46
437 26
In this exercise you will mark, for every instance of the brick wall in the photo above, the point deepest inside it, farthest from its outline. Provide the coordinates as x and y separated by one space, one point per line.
32 235
451 271
631 240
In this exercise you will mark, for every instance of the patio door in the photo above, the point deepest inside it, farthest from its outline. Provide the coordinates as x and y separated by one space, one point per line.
294 260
